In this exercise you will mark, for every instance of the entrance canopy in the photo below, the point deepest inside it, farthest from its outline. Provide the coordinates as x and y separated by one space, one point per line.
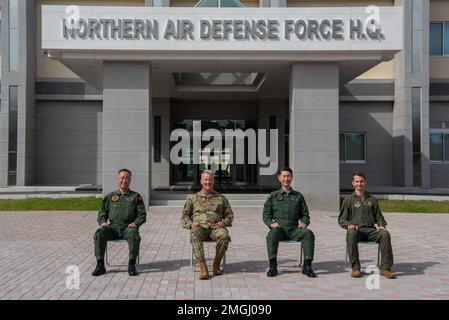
178 40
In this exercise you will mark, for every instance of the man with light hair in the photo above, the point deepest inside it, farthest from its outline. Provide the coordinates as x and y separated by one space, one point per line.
361 216
207 214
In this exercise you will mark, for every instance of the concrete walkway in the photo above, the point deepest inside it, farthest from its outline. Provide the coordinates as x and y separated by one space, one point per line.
36 249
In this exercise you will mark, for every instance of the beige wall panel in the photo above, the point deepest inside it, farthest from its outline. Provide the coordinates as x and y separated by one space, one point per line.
439 10
439 67
384 70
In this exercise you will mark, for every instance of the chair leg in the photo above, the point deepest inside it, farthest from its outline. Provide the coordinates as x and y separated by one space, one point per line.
346 258
192 264
106 257
300 256
378 256
223 262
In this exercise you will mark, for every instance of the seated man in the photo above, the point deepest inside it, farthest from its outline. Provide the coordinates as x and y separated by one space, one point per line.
282 212
125 211
207 214
359 215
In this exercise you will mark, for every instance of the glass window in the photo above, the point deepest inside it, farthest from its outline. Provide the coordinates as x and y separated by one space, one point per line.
14 14
352 147
14 49
416 133
446 147
12 139
417 14
416 54
436 39
446 39
436 147
342 147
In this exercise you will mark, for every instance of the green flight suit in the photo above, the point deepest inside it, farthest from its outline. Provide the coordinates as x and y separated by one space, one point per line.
120 210
364 212
207 209
288 210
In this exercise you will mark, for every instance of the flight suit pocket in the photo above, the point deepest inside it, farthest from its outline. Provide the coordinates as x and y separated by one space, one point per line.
129 211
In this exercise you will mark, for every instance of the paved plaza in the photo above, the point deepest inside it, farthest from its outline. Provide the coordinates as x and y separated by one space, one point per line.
37 247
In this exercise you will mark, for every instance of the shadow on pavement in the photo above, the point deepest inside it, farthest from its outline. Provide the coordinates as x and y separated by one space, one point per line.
412 268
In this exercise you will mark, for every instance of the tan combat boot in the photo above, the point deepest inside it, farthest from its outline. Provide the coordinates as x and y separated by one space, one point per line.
216 270
387 274
204 273
355 273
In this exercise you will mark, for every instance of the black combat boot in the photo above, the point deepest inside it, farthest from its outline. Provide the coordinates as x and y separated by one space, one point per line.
99 269
273 271
307 270
132 268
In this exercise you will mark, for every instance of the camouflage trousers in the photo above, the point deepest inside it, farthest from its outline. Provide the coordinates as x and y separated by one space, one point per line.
219 235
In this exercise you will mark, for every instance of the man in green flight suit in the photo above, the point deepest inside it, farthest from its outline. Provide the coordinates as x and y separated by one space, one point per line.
285 212
207 214
121 214
360 215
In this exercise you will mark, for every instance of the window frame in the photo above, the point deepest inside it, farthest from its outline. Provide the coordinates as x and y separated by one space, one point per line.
445 134
442 53
365 140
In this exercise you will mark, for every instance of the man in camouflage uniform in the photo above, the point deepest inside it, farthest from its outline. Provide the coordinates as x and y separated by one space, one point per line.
207 214
359 215
121 214
285 212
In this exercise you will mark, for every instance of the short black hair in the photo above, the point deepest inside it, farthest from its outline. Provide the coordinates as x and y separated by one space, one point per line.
358 174
285 169
125 170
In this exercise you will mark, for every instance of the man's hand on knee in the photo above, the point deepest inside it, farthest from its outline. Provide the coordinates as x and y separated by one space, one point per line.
194 225
274 225
132 225
104 225
220 224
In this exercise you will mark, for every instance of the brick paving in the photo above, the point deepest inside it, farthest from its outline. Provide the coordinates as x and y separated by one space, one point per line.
37 247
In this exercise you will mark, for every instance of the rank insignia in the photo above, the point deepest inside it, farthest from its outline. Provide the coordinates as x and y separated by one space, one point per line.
139 199
357 204
115 198
369 204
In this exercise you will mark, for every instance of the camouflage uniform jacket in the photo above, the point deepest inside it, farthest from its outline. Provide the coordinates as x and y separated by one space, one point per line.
207 209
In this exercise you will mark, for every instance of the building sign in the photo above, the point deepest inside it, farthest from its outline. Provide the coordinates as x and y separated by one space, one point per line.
273 29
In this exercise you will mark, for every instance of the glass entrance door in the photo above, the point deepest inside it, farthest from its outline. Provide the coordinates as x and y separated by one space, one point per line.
225 172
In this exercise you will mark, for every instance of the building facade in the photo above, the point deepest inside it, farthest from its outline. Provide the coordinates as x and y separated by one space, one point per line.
75 110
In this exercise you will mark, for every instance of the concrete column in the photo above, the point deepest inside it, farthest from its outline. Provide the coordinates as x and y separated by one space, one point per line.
275 108
23 78
406 79
314 133
161 170
127 124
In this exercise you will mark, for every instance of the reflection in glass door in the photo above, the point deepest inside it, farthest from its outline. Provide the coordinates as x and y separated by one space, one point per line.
225 173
